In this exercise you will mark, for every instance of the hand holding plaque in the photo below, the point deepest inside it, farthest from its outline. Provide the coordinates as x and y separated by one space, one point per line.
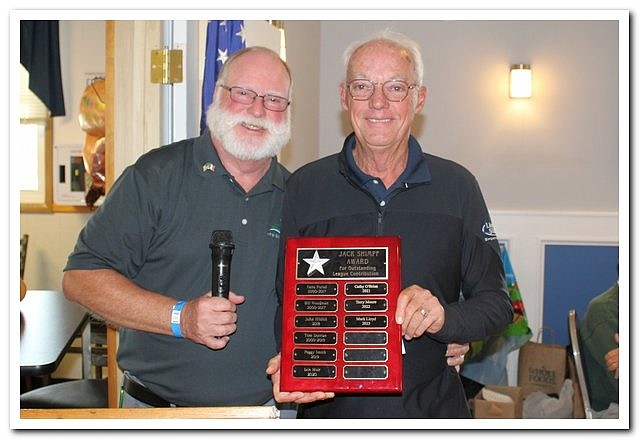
299 397
339 329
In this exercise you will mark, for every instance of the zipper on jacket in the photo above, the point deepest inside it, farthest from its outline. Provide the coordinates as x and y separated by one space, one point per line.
379 209
380 226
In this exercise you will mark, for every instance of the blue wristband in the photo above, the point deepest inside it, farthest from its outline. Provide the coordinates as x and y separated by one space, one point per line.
175 318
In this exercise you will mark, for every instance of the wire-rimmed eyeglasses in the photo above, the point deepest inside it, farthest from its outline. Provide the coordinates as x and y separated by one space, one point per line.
247 96
394 90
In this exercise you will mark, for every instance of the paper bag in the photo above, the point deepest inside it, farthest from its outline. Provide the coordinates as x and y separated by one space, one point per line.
541 367
501 403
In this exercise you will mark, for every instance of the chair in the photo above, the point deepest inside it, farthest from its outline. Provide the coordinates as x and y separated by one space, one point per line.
24 241
88 392
94 348
574 337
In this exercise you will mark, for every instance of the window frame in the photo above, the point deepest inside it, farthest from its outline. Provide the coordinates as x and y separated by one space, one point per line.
47 204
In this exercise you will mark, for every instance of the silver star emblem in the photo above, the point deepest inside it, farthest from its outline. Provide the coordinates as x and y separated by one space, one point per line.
315 263
241 34
223 55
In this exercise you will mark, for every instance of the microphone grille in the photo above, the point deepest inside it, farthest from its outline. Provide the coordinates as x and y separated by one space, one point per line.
222 238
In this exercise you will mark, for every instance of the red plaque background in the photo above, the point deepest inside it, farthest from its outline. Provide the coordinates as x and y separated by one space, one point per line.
339 330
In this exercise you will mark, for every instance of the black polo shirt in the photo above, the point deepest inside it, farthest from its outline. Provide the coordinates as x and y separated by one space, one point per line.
154 227
447 246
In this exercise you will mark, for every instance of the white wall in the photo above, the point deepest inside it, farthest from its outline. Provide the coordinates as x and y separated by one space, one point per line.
304 45
556 151
52 236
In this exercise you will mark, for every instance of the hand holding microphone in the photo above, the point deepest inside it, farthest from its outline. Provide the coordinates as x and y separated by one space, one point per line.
210 322
221 252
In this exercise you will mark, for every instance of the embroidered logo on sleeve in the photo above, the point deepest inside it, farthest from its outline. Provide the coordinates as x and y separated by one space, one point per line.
489 231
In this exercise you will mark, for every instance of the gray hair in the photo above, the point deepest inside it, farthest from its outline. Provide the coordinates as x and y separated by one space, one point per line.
226 67
395 39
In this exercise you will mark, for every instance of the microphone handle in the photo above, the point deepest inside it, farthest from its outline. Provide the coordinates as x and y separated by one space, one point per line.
221 272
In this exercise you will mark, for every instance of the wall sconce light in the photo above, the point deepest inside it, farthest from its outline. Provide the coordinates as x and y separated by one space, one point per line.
520 83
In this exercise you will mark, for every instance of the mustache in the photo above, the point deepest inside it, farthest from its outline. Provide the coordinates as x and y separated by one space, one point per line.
222 124
278 129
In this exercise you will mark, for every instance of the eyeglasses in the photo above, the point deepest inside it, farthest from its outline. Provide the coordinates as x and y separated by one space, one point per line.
246 96
394 90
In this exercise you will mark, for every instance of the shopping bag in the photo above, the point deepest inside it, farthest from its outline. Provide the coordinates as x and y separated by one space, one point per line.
542 367
486 361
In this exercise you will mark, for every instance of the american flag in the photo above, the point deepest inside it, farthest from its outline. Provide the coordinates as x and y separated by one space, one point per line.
224 37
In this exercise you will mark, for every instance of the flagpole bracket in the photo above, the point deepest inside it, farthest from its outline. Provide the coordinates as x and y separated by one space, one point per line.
166 66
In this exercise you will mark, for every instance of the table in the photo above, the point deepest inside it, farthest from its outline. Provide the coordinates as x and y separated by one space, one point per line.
222 412
49 323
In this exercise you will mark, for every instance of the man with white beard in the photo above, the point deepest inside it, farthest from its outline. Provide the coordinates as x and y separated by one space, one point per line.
143 260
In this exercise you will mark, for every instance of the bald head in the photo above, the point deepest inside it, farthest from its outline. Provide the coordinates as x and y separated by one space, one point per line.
407 47
262 56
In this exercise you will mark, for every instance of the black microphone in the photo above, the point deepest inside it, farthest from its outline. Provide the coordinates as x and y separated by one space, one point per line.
221 251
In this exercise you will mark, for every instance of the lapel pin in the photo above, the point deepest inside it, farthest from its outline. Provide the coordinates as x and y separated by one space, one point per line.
208 167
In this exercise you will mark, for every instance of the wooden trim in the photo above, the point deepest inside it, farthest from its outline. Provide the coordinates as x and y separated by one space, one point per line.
47 205
110 29
230 412
72 208
112 367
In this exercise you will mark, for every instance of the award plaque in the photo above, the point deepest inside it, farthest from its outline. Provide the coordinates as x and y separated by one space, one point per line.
339 329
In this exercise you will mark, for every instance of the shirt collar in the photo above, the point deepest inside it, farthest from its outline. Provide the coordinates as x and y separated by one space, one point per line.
417 169
208 164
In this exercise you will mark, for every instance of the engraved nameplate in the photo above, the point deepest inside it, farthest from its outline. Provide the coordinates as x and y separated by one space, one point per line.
366 288
316 321
316 289
314 338
365 321
351 263
314 371
314 354
365 305
316 305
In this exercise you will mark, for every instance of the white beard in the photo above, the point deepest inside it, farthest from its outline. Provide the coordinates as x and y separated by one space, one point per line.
222 123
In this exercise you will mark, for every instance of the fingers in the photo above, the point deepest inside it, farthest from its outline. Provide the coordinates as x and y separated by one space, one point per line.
611 359
236 299
455 354
455 361
455 349
299 397
311 397
418 311
273 370
210 320
273 366
216 342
